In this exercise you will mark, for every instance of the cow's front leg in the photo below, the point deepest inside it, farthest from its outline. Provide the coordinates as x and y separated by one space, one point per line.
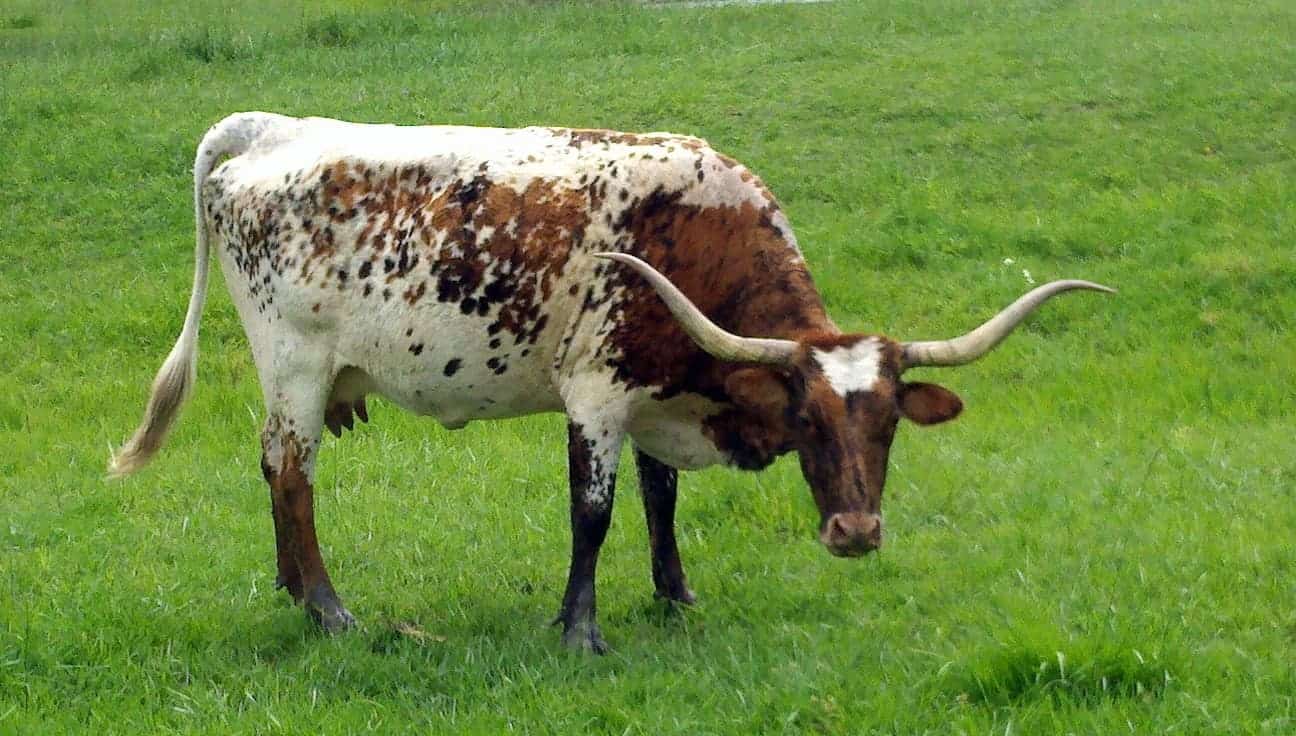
657 485
592 451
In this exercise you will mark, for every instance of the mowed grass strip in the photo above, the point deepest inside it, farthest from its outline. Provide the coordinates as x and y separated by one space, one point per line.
1101 543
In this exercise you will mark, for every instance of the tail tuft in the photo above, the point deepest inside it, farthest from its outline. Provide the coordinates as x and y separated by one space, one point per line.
171 387
232 136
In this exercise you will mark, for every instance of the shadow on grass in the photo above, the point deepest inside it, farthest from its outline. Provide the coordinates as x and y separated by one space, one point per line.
216 45
1083 672
18 22
208 46
330 31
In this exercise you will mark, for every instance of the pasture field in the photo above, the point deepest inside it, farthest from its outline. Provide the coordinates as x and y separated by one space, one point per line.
1105 541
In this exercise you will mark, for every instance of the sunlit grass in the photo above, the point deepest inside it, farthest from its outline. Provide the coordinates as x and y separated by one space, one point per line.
1101 544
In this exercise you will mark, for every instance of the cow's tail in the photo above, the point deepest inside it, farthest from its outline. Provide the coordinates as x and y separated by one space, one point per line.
230 137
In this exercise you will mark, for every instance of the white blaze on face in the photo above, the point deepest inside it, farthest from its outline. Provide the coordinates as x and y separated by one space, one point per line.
853 368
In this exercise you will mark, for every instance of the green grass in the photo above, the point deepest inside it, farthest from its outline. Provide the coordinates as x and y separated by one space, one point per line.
1103 542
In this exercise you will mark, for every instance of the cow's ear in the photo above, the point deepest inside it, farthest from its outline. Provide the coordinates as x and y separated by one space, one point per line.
927 403
758 390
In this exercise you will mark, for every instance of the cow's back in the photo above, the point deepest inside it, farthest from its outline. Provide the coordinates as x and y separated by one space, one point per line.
450 265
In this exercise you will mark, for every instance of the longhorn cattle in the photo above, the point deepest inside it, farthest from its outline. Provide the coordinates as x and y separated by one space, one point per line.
643 284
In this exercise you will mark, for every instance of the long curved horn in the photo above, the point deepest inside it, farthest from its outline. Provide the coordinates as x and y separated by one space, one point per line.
708 335
978 342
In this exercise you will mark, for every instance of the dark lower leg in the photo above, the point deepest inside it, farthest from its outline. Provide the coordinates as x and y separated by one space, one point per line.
658 483
288 576
593 477
293 499
579 607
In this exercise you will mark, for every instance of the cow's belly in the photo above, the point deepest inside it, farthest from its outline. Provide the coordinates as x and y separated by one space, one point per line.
435 361
428 358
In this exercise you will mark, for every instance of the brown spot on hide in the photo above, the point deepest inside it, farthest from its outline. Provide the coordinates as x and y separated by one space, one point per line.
414 293
732 263
484 245
594 136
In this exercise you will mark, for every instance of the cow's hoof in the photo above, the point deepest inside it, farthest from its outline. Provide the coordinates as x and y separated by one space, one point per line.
333 621
329 614
678 594
584 637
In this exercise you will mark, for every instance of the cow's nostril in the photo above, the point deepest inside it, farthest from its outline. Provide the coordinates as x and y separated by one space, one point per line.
837 529
851 534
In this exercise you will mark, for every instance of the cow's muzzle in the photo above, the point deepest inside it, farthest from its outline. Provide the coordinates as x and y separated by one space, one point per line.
852 533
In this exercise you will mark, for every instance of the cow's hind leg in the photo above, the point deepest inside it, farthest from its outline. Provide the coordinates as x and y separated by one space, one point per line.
289 443
657 484
288 575
592 450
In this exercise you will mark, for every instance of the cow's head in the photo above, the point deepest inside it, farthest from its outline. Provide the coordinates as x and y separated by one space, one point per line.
839 398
